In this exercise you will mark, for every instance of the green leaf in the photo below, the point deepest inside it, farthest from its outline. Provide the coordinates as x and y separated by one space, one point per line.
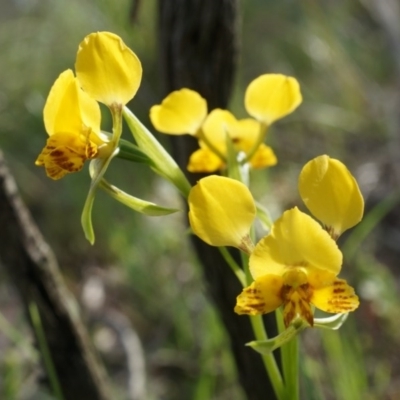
164 164
232 164
135 203
268 346
97 169
260 139
131 152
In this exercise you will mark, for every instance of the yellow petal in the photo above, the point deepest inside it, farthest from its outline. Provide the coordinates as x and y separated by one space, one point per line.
245 133
69 109
221 211
182 111
331 193
263 157
272 96
107 69
338 297
296 241
262 296
204 160
319 278
65 153
218 124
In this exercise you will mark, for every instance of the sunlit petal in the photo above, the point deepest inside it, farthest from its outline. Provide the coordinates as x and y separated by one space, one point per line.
218 124
245 133
69 109
65 153
221 211
263 157
296 240
331 193
204 160
182 111
338 297
262 296
72 120
272 96
318 278
107 69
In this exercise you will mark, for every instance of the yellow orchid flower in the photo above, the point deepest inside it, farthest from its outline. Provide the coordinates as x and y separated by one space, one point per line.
244 135
268 98
221 212
271 97
332 194
182 111
72 121
107 69
296 266
108 72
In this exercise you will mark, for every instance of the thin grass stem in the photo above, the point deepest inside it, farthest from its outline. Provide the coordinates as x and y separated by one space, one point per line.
233 264
44 350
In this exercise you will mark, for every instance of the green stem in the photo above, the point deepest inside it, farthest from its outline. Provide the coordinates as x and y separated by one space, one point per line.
290 362
16 337
260 334
44 350
257 323
245 263
116 113
234 266
268 359
260 139
292 369
201 136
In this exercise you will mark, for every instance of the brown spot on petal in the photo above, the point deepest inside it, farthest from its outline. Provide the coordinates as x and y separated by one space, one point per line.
343 298
250 301
57 153
91 151
338 291
297 304
258 306
334 235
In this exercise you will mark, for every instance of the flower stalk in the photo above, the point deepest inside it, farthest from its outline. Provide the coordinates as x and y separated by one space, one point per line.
291 270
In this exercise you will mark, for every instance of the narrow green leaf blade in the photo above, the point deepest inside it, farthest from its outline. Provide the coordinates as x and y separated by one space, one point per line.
139 205
97 169
268 346
131 152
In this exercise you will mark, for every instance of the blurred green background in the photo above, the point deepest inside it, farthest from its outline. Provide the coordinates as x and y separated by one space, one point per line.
346 56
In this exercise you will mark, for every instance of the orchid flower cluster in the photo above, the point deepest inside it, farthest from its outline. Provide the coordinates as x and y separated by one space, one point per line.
294 267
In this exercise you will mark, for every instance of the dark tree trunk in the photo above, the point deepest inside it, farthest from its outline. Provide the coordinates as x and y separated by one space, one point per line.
198 46
33 269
